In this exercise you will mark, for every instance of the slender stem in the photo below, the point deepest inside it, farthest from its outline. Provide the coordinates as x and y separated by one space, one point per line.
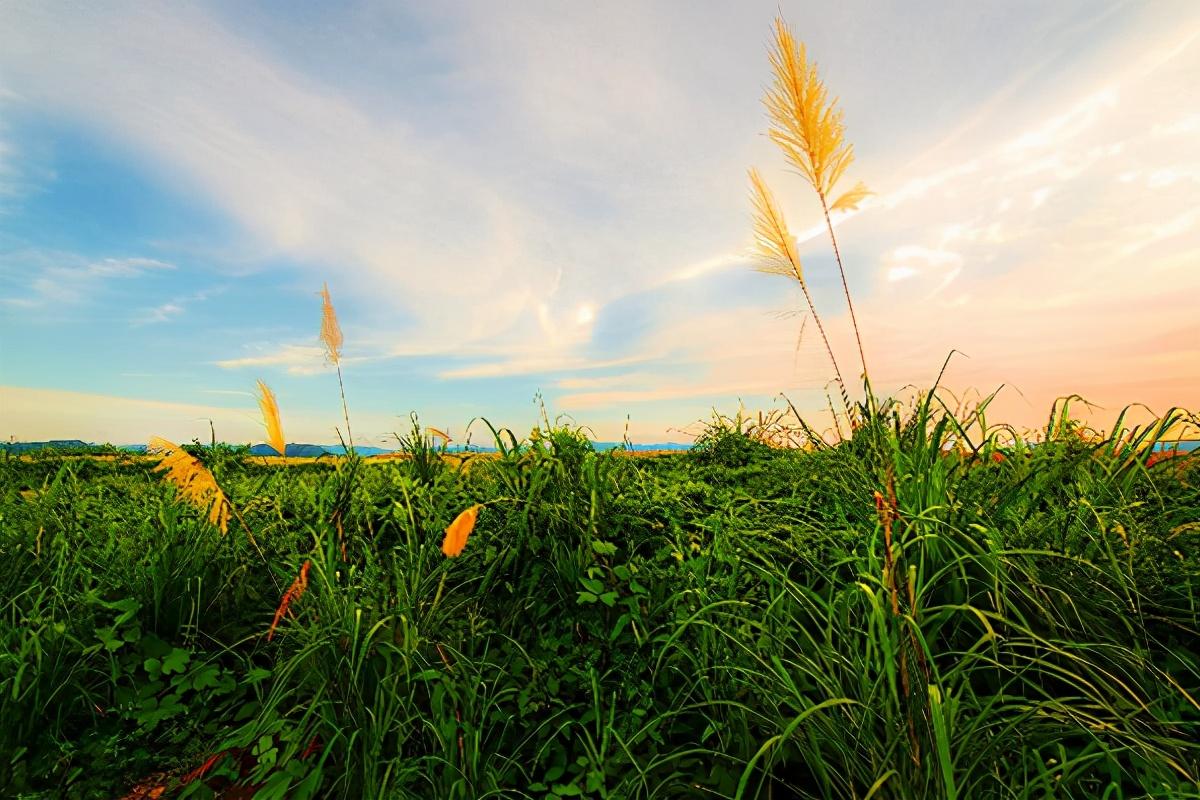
782 236
845 287
828 348
837 426
345 410
253 541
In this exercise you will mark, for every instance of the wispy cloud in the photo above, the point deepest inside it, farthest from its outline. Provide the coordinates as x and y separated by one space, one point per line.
172 309
296 359
37 279
162 313
538 366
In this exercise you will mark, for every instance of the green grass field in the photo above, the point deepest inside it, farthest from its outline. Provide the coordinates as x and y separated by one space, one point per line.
908 614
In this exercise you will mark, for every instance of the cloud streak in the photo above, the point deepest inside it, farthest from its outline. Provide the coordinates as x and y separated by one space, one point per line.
62 279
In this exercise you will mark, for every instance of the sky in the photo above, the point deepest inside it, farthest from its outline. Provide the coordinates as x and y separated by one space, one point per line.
548 202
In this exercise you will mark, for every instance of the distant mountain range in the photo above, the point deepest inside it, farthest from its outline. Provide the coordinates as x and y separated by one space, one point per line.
302 450
316 451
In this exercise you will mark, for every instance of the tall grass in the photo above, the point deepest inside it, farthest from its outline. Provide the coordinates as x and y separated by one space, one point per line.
743 621
931 607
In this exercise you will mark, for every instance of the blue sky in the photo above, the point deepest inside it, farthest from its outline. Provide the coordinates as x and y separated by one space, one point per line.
506 199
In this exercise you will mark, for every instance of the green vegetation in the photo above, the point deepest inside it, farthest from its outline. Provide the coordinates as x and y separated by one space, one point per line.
912 613
931 608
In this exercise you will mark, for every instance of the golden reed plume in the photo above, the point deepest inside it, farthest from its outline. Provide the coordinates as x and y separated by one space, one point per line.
774 244
270 413
192 481
459 530
775 248
331 332
807 125
331 335
293 593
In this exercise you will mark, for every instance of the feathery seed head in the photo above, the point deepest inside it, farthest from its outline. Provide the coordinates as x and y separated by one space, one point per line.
774 245
806 123
270 413
438 433
293 593
459 530
331 332
192 480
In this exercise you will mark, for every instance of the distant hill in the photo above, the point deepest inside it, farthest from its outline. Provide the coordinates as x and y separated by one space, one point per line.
313 450
638 448
53 444
297 450
317 450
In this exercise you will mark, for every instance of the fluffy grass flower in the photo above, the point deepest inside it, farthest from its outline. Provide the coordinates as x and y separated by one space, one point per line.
807 125
459 530
293 593
775 250
331 332
192 480
270 413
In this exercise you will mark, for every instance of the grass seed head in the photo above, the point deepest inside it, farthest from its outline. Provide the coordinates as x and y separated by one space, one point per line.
805 122
459 530
192 480
293 593
774 245
331 332
270 413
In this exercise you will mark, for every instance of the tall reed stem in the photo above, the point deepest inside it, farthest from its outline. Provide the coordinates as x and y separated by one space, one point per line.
845 287
345 410
828 349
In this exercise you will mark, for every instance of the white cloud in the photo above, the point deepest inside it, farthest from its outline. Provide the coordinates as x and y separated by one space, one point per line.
532 365
1060 130
64 279
467 199
297 359
172 309
162 313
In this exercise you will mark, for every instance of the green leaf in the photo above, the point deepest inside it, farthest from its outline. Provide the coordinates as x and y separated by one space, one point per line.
176 661
603 548
257 675
109 639
206 677
595 780
594 586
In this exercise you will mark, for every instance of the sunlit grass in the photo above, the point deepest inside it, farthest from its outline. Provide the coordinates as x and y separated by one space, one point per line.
929 604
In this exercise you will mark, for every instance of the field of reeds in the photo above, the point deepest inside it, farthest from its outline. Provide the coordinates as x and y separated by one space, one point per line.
917 603
912 613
